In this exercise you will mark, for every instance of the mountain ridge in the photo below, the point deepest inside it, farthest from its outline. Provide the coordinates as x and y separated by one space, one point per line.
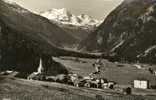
127 32
25 38
77 26
63 16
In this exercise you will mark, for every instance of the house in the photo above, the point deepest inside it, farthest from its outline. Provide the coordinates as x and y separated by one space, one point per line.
154 72
36 76
141 84
138 66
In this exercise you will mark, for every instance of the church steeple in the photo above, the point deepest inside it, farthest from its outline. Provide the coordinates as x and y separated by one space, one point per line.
40 68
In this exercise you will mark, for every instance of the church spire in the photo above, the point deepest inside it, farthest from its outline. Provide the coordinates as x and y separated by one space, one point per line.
40 68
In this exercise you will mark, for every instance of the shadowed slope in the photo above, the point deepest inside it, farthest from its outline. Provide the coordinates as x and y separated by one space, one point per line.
26 37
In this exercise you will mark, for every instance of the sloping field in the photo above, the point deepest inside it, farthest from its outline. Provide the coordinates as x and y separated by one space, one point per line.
19 89
123 74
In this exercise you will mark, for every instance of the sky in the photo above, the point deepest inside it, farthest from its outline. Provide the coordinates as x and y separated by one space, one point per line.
98 9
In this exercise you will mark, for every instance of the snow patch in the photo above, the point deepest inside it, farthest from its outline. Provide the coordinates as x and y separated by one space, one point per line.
9 1
57 14
17 8
118 45
146 52
150 49
150 10
65 17
146 17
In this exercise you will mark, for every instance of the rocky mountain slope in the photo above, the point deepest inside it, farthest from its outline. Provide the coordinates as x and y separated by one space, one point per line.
78 26
25 38
127 33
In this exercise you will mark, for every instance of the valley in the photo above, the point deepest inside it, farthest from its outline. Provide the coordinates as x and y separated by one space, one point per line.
56 55
22 89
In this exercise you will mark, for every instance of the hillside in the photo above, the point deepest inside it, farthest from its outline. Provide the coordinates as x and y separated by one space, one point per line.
127 33
77 32
32 22
26 37
122 73
13 88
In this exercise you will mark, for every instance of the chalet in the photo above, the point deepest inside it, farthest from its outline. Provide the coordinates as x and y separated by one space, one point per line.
141 84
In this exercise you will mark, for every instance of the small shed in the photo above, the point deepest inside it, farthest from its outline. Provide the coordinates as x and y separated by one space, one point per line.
154 72
141 84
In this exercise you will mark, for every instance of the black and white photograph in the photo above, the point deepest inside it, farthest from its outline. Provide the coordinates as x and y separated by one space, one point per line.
77 49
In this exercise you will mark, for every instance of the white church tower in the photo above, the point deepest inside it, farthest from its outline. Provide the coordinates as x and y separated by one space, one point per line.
40 68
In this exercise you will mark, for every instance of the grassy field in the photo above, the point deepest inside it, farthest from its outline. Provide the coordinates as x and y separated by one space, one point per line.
123 74
19 89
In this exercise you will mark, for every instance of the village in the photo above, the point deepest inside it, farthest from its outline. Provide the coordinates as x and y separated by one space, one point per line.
94 81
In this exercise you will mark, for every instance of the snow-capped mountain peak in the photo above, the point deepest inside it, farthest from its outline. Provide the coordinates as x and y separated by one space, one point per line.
88 20
63 16
9 1
15 6
57 15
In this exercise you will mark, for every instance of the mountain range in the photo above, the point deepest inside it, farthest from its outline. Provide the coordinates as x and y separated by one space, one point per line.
128 33
25 38
77 26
